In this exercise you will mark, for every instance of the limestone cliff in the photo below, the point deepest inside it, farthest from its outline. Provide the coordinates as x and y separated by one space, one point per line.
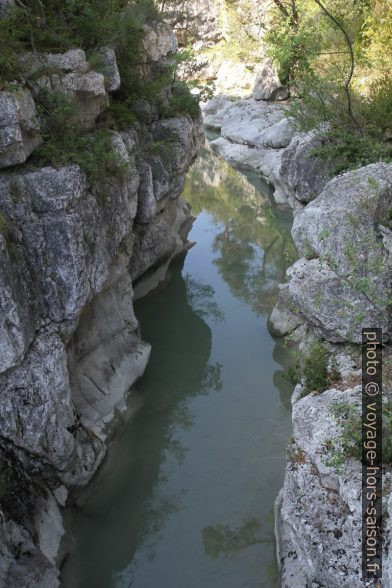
340 284
73 252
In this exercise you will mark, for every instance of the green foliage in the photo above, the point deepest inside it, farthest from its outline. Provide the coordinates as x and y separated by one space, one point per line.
181 101
348 444
292 47
57 27
317 368
66 142
351 108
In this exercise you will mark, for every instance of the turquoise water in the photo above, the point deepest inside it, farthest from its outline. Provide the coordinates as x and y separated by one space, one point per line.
185 499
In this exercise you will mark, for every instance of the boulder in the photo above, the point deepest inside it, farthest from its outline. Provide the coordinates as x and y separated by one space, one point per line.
304 174
267 85
245 121
342 223
240 156
19 127
278 135
158 42
334 307
345 285
109 68
214 111
70 74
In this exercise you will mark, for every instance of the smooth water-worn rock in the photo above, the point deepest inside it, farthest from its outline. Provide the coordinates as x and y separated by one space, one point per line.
215 110
247 119
19 127
284 157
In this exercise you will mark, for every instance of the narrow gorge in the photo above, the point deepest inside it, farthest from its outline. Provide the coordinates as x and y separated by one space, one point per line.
195 228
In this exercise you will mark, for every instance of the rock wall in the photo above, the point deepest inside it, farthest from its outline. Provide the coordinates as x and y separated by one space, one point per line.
342 232
72 254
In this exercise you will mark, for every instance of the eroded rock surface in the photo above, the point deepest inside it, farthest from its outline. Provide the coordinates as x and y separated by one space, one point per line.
19 127
72 253
318 511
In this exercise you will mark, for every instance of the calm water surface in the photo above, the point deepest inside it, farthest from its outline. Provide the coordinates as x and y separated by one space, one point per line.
186 498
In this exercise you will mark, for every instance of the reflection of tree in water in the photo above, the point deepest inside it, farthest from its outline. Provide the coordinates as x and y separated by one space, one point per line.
254 247
201 299
222 539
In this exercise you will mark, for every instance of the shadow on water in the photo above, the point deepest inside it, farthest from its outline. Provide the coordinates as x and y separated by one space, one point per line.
186 497
107 513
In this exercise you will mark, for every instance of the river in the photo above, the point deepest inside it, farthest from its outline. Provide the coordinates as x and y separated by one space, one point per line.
185 498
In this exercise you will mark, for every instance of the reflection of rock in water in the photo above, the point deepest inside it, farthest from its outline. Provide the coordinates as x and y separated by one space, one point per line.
280 380
130 498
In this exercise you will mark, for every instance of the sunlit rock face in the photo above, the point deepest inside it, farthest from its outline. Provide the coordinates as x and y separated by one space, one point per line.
71 254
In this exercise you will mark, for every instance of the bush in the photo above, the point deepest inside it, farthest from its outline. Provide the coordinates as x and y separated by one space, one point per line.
317 368
65 142
349 100
349 442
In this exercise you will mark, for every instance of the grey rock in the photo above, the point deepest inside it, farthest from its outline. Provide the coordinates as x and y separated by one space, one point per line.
245 121
19 127
267 85
303 174
277 135
334 307
158 42
319 508
106 354
70 74
215 110
21 561
70 61
17 324
282 320
146 207
346 287
109 68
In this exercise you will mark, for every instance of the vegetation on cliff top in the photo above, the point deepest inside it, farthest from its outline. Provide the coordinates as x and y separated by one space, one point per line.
337 57
54 27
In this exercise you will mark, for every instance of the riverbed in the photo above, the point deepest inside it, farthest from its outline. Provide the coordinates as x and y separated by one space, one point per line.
185 498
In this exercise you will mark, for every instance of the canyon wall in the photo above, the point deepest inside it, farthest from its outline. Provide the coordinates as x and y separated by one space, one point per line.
72 254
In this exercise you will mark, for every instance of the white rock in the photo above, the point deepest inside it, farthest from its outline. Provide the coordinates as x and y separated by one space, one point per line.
267 85
19 128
